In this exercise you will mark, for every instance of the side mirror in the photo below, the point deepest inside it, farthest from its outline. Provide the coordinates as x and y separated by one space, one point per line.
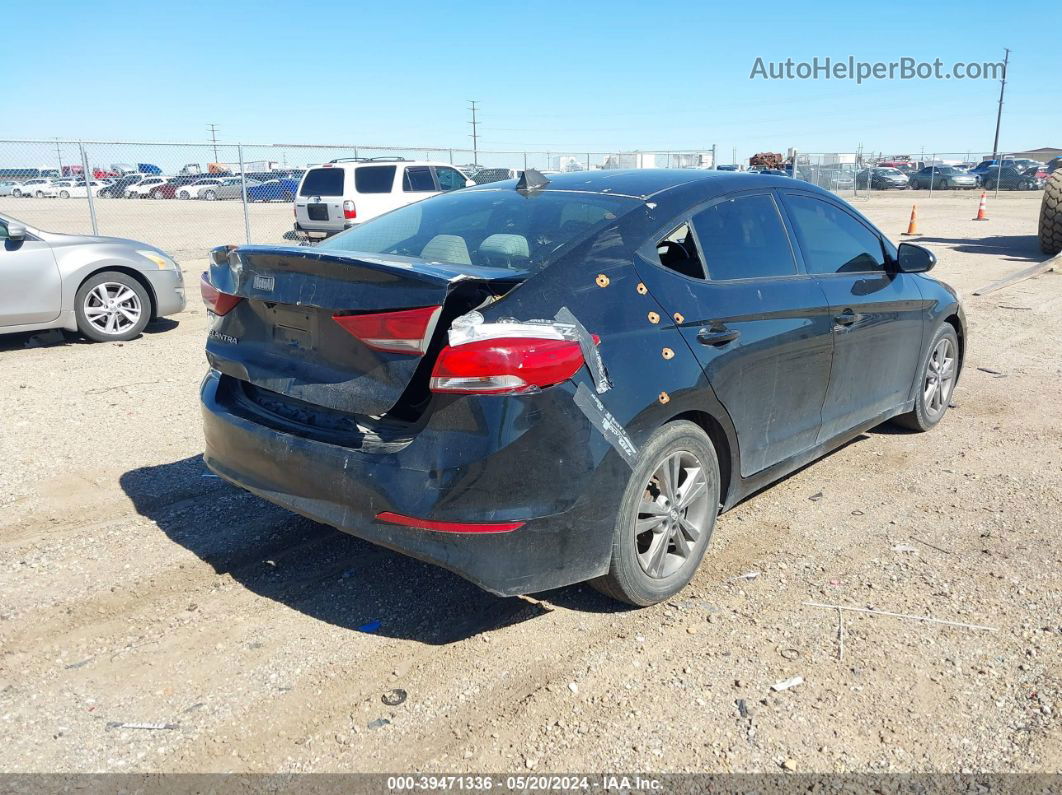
911 258
16 232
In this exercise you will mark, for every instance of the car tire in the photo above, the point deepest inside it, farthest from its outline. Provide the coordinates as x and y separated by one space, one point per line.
64 194
17 193
941 367
39 194
209 195
88 298
1050 229
183 195
679 447
989 185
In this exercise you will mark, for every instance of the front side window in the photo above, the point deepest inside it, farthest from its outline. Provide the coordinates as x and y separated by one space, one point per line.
374 179
744 238
449 178
832 240
418 179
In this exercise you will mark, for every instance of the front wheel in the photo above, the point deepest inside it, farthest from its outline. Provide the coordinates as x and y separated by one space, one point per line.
666 517
210 195
936 382
112 307
64 194
183 195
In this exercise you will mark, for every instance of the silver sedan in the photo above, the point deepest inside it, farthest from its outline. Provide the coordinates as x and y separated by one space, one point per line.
105 287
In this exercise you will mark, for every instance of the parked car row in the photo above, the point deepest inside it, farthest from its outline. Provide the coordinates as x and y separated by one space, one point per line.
260 187
1010 174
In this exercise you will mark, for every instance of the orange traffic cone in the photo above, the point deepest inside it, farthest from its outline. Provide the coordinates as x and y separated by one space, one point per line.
981 216
912 227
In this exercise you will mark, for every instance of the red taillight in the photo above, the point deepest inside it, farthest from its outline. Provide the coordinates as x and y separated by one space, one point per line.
505 366
348 210
449 527
216 301
406 331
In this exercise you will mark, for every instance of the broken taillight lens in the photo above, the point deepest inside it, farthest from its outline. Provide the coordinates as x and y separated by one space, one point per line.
405 331
505 366
216 301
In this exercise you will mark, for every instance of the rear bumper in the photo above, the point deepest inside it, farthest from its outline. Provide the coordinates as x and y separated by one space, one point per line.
475 460
303 233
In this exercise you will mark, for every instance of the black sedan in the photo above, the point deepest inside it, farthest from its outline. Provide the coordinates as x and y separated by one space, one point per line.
881 178
943 178
550 381
1011 178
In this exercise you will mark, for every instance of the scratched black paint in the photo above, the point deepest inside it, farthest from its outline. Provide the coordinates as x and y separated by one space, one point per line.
790 386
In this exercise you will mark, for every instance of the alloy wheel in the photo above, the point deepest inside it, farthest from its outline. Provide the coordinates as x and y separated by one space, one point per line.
940 378
112 308
672 515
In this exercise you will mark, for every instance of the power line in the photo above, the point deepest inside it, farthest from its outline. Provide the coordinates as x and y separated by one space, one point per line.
475 135
214 139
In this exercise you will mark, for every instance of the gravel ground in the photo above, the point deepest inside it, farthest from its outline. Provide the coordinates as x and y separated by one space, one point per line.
134 590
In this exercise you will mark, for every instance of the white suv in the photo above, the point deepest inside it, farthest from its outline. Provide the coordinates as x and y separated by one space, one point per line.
339 194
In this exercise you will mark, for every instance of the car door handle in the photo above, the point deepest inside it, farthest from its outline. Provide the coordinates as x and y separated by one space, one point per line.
846 318
717 335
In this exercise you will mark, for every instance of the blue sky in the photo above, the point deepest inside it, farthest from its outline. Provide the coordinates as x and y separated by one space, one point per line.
548 75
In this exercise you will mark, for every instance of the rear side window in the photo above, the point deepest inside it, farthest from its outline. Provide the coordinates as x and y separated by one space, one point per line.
323 182
374 179
418 178
832 240
744 238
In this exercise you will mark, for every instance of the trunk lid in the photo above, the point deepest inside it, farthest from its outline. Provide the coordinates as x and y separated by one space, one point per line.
283 336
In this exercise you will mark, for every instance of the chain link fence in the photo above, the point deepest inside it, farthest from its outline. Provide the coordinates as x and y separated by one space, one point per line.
187 197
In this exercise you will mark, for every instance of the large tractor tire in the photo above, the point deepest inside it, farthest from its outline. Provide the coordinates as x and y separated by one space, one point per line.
1051 215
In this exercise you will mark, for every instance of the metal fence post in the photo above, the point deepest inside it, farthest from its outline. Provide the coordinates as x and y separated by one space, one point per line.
932 175
587 161
88 187
243 193
525 161
451 157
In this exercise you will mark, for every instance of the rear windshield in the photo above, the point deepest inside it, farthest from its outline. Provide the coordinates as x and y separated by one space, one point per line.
323 182
486 228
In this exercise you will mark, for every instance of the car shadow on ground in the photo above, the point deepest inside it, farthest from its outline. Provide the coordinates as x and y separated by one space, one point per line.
57 338
322 572
1013 248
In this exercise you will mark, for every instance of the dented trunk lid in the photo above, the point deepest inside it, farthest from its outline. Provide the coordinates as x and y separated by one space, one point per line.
282 337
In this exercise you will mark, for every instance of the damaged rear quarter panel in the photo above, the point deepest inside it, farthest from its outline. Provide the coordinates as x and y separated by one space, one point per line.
632 349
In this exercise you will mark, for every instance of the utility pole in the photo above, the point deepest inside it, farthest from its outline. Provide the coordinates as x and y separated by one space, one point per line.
999 112
214 139
59 157
475 134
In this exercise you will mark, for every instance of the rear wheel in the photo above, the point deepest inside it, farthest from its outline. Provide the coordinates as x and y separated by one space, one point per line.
183 195
1051 215
64 194
666 517
936 382
17 193
111 307
209 195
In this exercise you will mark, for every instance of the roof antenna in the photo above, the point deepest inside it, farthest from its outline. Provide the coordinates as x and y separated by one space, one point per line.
531 180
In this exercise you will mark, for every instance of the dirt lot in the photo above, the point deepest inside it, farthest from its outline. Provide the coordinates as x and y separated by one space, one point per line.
133 589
